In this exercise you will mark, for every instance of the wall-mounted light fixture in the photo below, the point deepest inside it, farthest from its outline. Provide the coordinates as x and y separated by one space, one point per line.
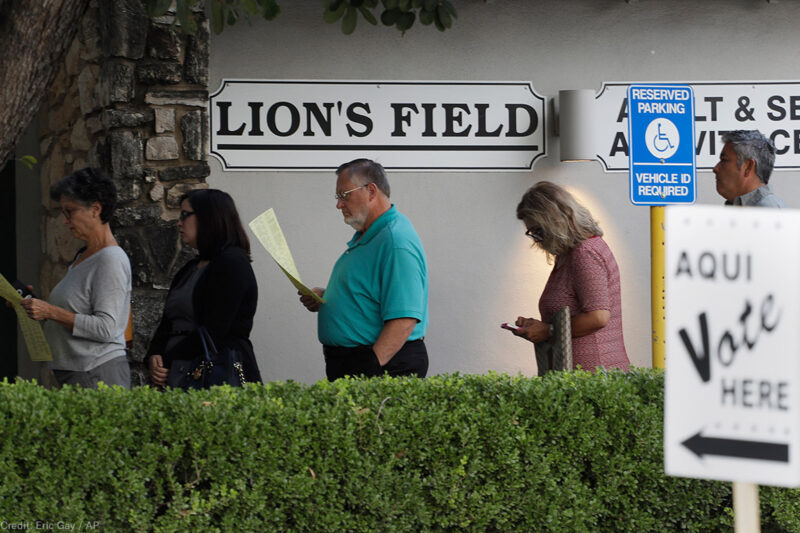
577 125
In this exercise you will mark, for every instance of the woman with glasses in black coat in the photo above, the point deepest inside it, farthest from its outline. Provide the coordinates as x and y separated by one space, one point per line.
217 289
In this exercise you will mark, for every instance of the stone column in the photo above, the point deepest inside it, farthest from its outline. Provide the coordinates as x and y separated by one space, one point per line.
131 98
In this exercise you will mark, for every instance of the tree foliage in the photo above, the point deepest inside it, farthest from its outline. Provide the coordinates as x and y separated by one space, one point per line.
402 14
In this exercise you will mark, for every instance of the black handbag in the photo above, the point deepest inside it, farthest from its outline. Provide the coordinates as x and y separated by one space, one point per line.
213 367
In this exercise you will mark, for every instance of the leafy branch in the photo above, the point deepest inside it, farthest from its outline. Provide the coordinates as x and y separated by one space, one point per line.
402 14
28 160
398 13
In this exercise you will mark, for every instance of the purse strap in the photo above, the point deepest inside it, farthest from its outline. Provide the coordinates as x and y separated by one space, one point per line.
208 343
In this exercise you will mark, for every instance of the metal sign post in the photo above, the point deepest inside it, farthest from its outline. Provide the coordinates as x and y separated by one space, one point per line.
662 172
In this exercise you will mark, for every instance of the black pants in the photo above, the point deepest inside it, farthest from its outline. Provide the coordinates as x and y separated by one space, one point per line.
410 360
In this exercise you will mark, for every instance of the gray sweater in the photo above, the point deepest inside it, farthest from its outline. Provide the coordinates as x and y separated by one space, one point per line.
98 291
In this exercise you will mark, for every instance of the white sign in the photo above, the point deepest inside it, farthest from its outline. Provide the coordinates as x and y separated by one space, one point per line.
732 404
771 107
318 125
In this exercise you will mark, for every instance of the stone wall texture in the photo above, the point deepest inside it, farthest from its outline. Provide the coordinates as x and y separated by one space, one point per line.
131 97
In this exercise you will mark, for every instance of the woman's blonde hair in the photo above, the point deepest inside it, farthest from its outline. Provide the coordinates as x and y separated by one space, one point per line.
563 221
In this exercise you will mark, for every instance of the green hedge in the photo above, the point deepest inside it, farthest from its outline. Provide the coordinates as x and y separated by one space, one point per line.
568 452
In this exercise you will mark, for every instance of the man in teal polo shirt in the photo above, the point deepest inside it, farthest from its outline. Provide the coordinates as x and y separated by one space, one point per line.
375 313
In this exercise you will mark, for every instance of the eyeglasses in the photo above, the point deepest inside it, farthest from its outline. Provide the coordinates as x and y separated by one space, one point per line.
68 212
536 234
343 195
185 214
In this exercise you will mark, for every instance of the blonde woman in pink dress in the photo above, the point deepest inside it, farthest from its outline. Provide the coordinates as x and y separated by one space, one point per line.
585 278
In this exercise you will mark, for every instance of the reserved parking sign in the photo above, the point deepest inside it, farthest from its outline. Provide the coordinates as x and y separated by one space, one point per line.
662 148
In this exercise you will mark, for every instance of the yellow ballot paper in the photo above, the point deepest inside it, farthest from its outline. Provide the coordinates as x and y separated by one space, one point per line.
38 348
265 226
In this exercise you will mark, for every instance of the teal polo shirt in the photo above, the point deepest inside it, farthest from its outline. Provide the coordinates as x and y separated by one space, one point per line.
381 276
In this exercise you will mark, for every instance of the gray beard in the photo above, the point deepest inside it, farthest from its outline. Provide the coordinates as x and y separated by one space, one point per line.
357 225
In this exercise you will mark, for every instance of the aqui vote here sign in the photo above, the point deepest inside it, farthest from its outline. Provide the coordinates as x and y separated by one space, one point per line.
732 395
662 153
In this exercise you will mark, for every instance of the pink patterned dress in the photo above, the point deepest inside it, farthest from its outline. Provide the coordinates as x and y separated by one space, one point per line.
587 279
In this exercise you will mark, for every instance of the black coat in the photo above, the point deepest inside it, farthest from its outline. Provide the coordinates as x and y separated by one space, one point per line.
224 301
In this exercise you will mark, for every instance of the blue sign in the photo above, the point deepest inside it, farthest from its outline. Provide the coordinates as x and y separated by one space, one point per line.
662 153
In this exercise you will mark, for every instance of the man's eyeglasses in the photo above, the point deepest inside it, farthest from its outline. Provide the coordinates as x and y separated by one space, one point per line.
536 234
343 195
185 214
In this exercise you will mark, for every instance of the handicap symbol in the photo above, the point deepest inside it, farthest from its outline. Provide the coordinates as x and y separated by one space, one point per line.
662 138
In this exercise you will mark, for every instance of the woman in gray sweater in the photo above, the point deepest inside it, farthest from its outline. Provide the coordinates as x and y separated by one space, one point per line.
87 311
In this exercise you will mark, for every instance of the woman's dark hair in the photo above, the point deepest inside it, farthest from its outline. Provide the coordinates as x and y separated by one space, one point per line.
86 186
218 222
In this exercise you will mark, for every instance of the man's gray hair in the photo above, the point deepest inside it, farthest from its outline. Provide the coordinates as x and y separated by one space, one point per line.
752 144
364 171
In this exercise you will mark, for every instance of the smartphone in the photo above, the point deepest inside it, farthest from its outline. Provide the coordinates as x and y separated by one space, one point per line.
510 327
23 290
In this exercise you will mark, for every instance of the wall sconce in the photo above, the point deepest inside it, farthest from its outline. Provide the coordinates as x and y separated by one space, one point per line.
577 125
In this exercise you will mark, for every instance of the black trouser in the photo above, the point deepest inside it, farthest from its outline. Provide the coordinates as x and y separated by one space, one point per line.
410 360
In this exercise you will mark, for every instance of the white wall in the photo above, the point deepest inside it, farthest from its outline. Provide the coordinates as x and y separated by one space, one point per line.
482 270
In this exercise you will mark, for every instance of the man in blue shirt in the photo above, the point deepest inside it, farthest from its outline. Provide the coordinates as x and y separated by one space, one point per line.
745 165
375 313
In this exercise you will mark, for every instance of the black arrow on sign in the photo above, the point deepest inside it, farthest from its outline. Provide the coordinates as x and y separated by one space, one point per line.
745 449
